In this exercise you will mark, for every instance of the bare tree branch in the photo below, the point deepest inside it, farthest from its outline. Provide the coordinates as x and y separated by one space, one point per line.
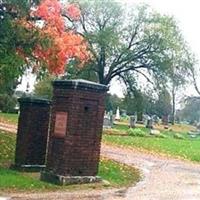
128 61
143 74
194 80
82 21
117 60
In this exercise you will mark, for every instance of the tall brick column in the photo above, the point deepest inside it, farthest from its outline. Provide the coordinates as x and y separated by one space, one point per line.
32 133
76 130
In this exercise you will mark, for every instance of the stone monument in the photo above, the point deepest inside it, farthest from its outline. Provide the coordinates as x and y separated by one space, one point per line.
107 122
132 121
111 116
117 116
75 133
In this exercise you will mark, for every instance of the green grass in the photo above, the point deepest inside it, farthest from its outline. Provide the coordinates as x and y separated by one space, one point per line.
13 180
8 117
141 131
121 127
125 127
7 148
118 174
187 148
115 173
136 132
10 180
173 143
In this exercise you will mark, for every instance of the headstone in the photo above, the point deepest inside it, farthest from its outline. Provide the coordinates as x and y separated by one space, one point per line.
107 122
111 118
165 120
198 126
145 118
132 121
117 116
32 133
75 133
149 123
156 119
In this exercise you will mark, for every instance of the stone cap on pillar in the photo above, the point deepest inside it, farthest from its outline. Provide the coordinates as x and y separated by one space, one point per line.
33 100
80 84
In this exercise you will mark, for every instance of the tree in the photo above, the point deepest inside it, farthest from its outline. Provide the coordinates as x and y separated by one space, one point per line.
34 33
77 73
44 88
11 37
194 74
66 43
7 103
182 62
191 111
113 102
135 41
135 104
163 104
141 102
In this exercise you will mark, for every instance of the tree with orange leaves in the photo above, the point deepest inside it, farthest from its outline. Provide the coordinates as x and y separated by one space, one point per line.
36 34
65 44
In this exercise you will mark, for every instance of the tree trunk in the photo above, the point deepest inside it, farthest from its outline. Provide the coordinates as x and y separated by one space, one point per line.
139 116
102 65
173 104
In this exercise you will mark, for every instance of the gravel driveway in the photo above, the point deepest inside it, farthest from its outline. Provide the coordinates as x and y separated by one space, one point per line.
163 178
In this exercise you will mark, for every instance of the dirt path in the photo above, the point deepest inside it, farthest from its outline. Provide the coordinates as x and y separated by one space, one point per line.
163 178
8 127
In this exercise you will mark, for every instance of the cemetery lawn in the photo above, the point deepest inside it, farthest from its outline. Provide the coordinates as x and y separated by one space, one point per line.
118 175
175 144
9 118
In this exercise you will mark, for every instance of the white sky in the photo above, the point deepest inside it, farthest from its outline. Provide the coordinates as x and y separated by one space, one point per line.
187 14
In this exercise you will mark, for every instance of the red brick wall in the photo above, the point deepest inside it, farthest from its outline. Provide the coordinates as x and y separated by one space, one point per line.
32 132
77 152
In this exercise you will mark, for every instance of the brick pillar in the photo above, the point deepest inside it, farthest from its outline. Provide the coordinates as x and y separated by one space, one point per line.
32 133
76 130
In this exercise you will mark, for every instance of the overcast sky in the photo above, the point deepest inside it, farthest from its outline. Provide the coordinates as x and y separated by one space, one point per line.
187 14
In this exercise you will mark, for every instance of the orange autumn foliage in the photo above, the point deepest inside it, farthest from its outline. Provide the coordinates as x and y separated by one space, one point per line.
73 12
66 44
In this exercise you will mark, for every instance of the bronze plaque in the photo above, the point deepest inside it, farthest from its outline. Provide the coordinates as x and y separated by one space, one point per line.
60 124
